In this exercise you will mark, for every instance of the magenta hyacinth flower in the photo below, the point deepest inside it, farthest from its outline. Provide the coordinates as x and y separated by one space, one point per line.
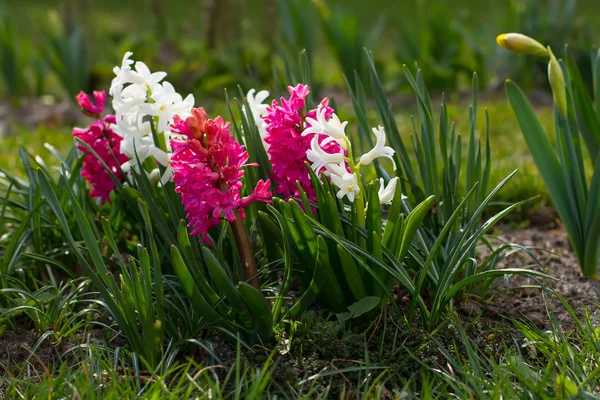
100 137
88 107
285 124
207 166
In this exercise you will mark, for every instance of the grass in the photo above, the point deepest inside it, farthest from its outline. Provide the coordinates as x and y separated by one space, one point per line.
468 358
34 141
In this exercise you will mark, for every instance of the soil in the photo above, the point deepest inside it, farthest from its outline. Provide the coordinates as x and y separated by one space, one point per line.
558 261
16 348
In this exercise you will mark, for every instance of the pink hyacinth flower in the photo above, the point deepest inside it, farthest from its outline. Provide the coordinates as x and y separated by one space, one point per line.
285 123
101 138
207 170
87 106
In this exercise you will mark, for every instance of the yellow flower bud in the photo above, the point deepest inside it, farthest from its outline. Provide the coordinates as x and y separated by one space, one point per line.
557 83
520 43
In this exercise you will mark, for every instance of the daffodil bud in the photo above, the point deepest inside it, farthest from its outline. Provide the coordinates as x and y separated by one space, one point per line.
519 43
557 83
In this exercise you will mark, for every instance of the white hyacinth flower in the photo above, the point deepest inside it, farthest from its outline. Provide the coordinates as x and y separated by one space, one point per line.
334 128
154 176
348 185
140 98
142 146
319 158
256 103
140 76
386 193
259 110
167 104
380 149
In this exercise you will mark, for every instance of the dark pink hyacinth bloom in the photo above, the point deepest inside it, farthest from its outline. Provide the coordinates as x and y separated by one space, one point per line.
285 123
88 107
100 137
207 169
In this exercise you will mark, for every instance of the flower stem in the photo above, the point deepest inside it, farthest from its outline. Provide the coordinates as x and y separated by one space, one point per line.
245 251
358 200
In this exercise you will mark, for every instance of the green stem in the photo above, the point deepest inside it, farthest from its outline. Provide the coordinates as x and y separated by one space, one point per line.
358 200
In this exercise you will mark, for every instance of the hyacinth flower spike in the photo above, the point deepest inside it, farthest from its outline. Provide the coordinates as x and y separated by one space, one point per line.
207 170
289 130
101 138
145 106
340 166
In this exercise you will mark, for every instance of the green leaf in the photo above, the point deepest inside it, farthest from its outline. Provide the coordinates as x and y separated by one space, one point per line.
287 254
224 284
193 267
412 223
260 308
488 274
586 115
543 155
189 287
351 273
360 308
392 218
321 270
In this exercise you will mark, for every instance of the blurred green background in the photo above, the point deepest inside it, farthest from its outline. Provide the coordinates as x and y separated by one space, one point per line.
50 50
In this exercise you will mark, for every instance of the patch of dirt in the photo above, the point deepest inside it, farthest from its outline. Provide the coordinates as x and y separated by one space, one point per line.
321 347
560 262
16 347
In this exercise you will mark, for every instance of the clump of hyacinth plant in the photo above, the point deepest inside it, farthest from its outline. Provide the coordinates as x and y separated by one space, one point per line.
344 248
208 167
100 147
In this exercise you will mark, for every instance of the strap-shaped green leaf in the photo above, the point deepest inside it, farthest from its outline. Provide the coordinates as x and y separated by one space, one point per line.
287 262
189 287
272 232
303 237
224 284
353 277
373 217
321 271
395 240
412 223
543 154
587 118
261 309
305 243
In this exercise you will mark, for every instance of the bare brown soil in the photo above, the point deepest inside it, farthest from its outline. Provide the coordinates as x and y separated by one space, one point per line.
560 262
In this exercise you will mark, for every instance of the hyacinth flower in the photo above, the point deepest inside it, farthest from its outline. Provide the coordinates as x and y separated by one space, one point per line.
101 138
208 167
288 139
145 106
340 166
